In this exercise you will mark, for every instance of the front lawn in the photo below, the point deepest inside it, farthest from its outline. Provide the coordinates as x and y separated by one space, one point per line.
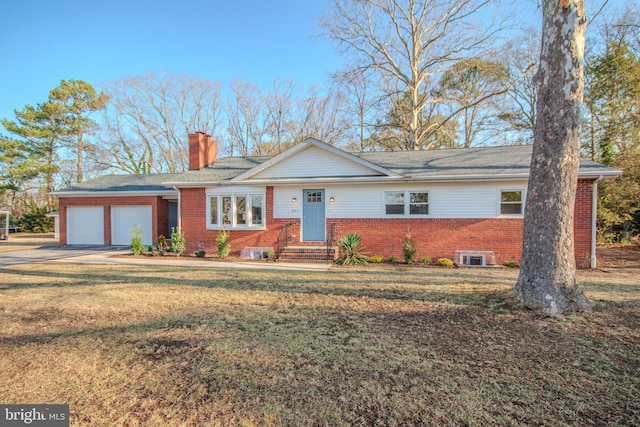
382 345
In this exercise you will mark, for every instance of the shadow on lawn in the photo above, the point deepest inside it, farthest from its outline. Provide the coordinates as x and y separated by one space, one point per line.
460 287
380 285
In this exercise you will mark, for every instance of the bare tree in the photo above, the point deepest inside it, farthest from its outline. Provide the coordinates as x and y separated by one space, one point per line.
279 104
409 41
547 277
518 111
149 117
322 117
248 120
362 103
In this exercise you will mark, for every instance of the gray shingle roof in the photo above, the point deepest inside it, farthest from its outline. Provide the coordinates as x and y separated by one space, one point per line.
468 163
124 182
479 161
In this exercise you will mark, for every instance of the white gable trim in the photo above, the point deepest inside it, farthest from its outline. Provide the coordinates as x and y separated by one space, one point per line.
303 146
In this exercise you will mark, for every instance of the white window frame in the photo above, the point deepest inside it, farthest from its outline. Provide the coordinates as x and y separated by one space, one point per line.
406 204
248 212
522 201
466 260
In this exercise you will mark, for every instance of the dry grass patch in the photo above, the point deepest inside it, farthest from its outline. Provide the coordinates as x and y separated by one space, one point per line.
139 345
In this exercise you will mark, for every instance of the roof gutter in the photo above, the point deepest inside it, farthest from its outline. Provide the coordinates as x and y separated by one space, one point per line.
111 193
375 180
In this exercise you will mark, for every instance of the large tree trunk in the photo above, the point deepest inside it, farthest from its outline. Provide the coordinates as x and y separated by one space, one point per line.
547 278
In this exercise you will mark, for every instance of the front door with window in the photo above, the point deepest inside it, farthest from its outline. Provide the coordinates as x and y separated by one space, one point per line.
313 216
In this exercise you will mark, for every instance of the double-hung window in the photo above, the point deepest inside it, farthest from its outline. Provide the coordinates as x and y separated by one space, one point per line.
406 203
511 202
236 211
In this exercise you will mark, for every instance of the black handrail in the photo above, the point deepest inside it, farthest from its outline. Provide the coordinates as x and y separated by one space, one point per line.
283 238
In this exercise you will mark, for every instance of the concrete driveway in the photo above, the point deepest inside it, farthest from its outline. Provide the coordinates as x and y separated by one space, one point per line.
104 255
52 253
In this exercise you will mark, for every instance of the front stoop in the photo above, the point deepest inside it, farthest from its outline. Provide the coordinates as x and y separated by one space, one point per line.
307 254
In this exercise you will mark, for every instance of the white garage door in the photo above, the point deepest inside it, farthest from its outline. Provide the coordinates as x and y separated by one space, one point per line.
85 225
123 221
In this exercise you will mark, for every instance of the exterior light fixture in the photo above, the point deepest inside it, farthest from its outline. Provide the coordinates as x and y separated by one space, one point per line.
332 200
294 200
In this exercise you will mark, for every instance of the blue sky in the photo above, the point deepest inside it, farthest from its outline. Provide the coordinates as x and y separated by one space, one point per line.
45 41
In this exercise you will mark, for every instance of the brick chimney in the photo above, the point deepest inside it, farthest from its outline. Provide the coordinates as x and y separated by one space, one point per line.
203 150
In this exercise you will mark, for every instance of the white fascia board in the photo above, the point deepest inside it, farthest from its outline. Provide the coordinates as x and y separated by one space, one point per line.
379 179
71 194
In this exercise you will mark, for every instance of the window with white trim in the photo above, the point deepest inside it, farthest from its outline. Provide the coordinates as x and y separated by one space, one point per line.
511 202
236 211
394 203
406 203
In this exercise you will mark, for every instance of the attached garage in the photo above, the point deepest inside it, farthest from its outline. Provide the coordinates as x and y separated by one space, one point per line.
85 225
124 220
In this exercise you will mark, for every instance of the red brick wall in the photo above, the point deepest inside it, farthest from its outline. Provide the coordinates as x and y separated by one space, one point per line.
433 237
582 223
159 212
193 212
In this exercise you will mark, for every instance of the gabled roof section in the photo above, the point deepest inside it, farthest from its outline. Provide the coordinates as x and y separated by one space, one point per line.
314 159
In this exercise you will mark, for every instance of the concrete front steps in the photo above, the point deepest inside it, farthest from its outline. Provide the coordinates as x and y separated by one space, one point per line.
307 254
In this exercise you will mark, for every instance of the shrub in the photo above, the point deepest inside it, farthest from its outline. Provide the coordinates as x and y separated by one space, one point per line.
161 243
34 220
393 259
178 244
223 243
351 250
137 248
200 254
376 259
426 260
271 255
408 249
445 262
511 264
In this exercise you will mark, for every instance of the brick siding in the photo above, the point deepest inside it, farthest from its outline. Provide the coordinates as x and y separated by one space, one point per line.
433 237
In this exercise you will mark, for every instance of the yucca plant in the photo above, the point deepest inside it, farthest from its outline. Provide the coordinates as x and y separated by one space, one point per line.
351 250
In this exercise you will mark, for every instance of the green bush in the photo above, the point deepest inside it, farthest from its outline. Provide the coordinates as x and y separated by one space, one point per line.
426 260
137 248
351 250
223 243
445 262
376 259
178 243
511 264
35 220
393 259
408 249
200 253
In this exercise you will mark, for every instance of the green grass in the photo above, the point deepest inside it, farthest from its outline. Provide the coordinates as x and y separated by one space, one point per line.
379 345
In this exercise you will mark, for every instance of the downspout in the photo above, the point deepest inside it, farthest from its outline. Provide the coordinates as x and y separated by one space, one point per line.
594 220
179 208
